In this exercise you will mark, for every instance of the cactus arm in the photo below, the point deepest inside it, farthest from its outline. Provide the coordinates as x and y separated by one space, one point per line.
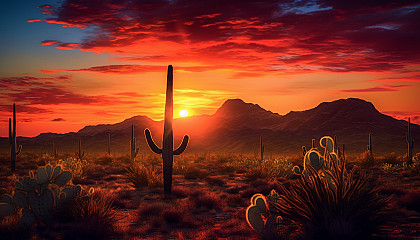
304 150
183 145
151 143
19 149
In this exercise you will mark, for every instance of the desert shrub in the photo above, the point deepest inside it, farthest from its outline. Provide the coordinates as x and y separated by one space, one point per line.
97 206
207 200
411 169
367 159
76 166
391 159
335 204
216 181
192 172
142 176
267 168
389 168
411 200
159 215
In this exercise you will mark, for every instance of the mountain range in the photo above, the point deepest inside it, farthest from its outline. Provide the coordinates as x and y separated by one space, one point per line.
236 127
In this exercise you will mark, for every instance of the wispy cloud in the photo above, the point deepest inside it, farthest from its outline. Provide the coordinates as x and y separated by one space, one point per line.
381 88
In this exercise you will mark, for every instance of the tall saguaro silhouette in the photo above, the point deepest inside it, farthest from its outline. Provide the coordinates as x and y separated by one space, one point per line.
168 138
12 140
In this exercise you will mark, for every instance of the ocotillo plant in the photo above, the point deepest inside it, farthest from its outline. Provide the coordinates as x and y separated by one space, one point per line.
133 150
410 143
12 140
80 154
108 148
168 138
369 147
262 148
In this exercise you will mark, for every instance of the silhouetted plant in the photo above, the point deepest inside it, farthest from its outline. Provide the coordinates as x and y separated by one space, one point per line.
12 140
168 139
80 154
353 209
410 144
141 176
367 159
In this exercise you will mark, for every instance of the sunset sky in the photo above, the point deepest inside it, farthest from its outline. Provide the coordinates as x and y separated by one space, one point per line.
67 64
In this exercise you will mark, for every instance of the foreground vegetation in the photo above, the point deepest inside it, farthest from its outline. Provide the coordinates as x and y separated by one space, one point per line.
210 195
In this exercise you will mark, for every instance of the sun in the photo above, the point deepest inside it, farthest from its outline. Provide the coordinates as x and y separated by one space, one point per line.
183 113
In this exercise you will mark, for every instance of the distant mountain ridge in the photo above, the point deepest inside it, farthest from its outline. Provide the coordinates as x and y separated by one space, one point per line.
236 127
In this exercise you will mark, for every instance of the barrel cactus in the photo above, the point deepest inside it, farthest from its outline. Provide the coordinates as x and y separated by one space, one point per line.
40 195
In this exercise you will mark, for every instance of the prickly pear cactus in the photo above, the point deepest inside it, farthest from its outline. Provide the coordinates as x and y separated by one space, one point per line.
260 215
317 161
40 196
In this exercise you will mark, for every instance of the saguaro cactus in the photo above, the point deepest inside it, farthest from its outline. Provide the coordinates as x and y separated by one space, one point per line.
369 147
12 140
133 150
80 154
410 143
168 139
262 148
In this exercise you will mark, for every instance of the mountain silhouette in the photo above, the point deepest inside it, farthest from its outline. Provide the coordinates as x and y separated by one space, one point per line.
236 127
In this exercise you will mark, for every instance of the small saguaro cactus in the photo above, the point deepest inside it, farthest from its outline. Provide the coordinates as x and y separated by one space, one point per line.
108 147
168 138
369 146
80 154
12 140
410 143
313 144
262 148
133 150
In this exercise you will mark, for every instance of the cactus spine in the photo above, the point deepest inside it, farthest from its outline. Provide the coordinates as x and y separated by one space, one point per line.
262 148
12 140
168 139
369 147
108 149
410 143
80 154
133 150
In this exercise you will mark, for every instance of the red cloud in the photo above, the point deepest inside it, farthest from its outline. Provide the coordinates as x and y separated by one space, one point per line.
67 46
382 88
338 36
34 20
49 42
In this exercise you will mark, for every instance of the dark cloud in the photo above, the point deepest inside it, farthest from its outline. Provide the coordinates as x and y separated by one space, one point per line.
58 120
23 109
333 35
47 91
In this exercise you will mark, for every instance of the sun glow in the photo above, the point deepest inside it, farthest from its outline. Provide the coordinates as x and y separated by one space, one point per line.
183 113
